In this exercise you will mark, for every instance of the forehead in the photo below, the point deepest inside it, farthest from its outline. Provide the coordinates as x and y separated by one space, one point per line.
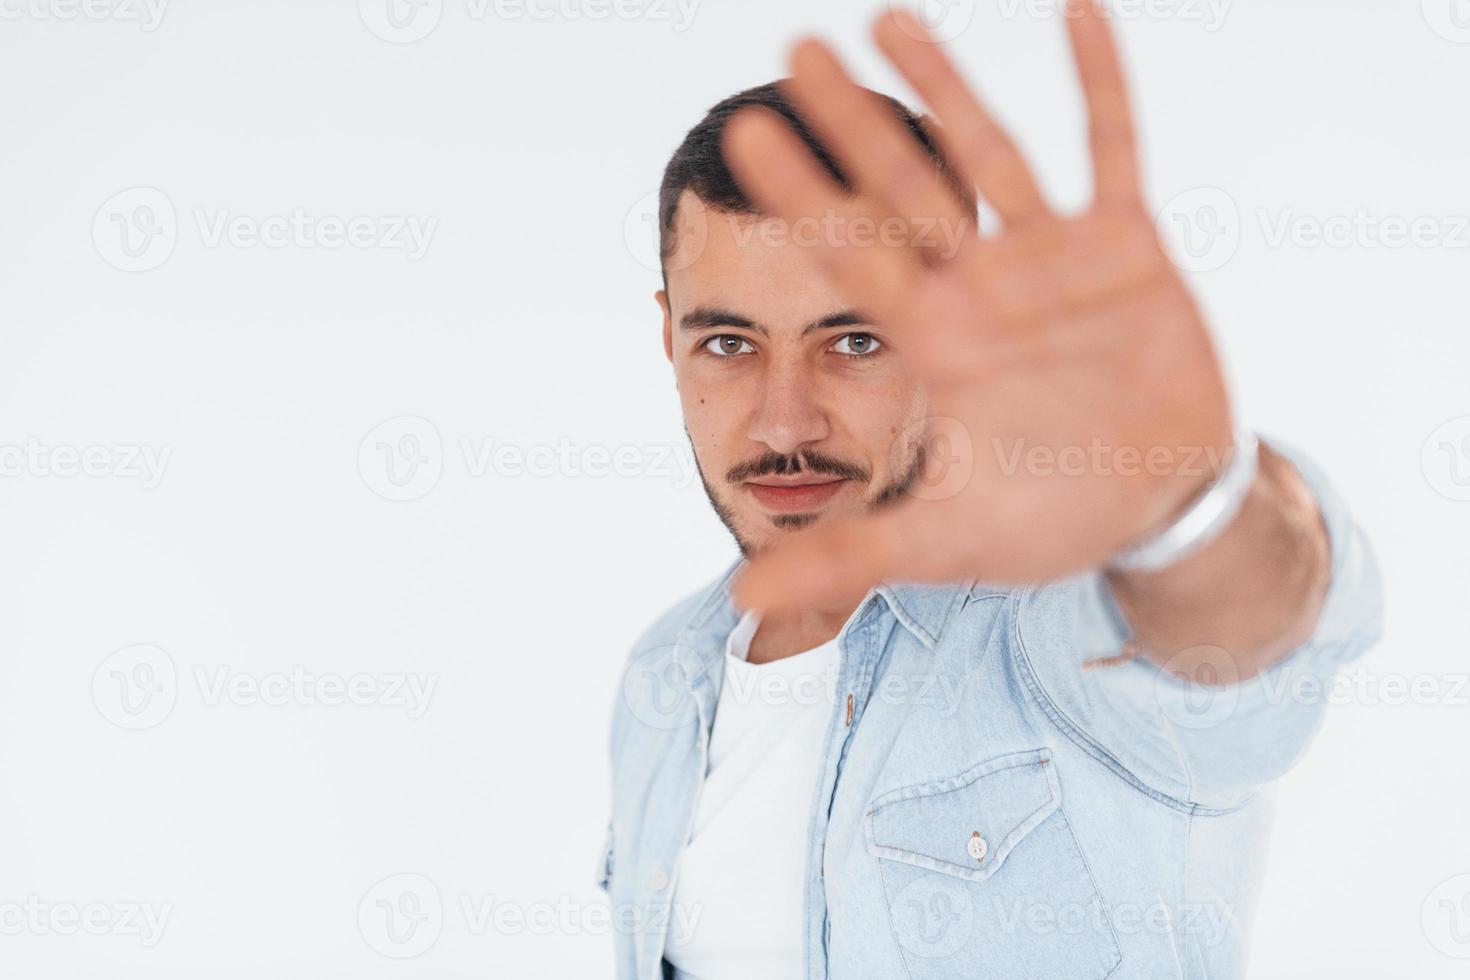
750 264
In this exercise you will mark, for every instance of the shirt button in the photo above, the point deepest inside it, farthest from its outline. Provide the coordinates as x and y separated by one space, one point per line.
660 880
977 846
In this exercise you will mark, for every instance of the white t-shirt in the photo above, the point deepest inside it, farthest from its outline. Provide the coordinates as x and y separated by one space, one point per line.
738 899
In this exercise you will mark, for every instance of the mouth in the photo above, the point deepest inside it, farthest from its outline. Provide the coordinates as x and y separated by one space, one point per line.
790 496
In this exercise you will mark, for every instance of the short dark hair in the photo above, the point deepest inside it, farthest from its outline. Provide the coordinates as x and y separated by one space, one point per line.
699 165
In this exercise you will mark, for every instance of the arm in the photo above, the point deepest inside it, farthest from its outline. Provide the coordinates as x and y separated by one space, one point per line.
1054 333
1194 737
1256 591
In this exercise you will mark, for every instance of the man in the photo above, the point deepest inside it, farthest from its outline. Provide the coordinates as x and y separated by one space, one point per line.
823 769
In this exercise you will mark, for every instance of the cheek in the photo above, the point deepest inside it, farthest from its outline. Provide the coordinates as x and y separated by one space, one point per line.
885 420
712 410
698 395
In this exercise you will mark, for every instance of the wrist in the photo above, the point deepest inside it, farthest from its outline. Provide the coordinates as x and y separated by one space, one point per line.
1203 519
1255 590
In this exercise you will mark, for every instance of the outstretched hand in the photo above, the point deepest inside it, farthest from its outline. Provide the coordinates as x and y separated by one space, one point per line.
1076 402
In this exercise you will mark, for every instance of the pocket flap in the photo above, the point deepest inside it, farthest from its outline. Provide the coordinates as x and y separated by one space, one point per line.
965 825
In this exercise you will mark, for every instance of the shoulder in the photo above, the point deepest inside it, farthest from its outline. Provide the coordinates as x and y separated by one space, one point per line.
685 612
654 699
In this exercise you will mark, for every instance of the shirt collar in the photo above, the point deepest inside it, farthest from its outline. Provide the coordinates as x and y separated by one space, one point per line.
921 609
924 609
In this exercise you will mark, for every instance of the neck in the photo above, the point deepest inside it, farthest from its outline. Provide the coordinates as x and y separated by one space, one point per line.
784 633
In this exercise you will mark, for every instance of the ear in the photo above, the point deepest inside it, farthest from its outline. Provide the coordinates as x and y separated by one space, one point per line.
663 302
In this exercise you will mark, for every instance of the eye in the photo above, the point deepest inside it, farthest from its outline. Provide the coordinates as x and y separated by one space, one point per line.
728 345
856 344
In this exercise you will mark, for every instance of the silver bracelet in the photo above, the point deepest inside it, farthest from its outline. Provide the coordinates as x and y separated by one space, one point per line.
1211 512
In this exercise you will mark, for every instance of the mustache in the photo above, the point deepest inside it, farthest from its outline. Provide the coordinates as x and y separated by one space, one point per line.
806 460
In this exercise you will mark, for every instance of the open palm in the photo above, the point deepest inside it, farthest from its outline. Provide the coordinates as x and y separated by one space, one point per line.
1076 401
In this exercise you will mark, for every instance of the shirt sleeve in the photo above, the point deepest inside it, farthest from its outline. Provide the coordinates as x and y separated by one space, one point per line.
1196 745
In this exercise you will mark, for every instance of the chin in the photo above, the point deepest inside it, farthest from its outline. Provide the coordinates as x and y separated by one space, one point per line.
764 531
794 521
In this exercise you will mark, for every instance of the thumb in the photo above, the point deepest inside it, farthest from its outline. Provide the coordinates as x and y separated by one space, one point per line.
827 563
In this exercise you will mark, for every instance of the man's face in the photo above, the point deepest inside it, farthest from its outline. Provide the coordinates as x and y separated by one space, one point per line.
797 408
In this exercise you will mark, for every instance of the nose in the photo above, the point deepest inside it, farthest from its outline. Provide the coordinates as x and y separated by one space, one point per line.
789 415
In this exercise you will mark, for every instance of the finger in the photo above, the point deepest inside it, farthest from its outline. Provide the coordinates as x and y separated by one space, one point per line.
877 151
785 181
979 149
1109 118
955 334
826 564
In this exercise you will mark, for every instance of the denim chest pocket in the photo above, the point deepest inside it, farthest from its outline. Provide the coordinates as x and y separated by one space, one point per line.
983 877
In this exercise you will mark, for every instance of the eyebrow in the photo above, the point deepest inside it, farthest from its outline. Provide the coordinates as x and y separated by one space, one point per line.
704 317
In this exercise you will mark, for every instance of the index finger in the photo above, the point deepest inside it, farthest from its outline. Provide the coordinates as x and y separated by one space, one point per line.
979 148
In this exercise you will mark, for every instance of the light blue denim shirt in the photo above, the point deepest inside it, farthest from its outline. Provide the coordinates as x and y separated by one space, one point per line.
987 805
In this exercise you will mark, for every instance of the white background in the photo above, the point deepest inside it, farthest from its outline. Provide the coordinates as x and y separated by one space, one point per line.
533 143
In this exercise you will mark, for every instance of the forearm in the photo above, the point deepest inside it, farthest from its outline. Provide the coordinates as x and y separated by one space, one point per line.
1254 592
